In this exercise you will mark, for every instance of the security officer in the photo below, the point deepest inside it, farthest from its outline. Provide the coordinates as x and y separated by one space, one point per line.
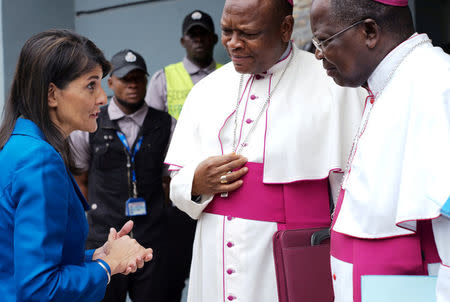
167 91
170 86
121 175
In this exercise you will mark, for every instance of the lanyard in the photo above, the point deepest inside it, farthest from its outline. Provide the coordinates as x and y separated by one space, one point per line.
237 148
131 157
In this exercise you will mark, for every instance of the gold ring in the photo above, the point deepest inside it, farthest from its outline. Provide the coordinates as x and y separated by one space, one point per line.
223 179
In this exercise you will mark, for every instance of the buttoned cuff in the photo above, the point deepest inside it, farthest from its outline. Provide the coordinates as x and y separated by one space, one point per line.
181 192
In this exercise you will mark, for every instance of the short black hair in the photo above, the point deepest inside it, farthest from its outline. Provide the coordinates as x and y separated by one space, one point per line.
281 8
392 19
284 7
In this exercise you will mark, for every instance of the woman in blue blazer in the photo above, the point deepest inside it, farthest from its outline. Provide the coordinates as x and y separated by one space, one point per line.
56 89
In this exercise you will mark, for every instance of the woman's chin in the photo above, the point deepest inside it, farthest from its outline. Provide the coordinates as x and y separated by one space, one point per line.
90 126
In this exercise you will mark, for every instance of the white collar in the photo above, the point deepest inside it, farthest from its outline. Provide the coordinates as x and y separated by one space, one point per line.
281 63
378 79
115 113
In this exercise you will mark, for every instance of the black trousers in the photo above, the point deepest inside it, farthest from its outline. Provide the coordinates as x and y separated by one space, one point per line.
181 237
148 284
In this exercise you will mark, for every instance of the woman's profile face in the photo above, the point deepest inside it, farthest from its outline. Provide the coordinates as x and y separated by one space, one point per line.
76 107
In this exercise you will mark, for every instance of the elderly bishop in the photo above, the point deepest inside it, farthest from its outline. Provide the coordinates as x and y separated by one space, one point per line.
388 217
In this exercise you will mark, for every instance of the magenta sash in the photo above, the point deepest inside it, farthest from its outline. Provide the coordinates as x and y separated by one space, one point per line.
300 204
401 255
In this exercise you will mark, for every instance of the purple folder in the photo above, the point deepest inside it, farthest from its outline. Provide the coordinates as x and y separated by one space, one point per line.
302 264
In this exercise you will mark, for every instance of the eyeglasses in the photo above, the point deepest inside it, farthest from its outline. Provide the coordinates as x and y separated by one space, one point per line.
320 44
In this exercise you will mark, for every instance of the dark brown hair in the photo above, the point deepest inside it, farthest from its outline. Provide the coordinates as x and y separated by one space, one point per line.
55 56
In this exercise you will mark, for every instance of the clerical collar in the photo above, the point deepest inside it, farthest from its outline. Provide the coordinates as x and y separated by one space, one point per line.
286 52
279 65
382 72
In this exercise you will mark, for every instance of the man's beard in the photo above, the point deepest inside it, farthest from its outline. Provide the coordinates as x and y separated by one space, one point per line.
132 106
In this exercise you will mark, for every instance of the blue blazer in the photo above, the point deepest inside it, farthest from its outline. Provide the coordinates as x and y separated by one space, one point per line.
43 225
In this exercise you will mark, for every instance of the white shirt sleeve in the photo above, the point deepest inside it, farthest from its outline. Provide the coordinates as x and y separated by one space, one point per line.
156 96
181 189
79 146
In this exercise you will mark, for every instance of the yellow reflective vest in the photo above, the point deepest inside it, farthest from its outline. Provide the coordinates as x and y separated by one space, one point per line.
178 84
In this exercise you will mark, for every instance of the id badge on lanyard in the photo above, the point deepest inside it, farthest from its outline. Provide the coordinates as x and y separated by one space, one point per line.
134 206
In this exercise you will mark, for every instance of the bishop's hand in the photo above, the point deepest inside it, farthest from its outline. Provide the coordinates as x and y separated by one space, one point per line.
213 174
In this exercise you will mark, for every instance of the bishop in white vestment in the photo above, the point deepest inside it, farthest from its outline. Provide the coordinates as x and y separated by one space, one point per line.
292 126
388 217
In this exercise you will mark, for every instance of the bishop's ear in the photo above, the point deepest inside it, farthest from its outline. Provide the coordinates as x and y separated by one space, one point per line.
371 33
52 95
287 26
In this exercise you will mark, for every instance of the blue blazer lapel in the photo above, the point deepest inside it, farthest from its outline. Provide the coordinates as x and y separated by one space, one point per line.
78 192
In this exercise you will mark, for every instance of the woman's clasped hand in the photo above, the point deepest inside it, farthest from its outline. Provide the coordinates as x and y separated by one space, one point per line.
122 253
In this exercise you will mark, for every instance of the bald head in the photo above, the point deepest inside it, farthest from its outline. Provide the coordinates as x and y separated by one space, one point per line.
254 36
393 20
275 9
367 32
349 56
